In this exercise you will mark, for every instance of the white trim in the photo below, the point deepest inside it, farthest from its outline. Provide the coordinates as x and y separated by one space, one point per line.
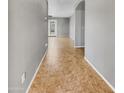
99 73
79 46
55 27
36 72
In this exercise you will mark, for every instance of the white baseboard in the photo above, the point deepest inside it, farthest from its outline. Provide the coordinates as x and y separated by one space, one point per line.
99 73
36 72
79 46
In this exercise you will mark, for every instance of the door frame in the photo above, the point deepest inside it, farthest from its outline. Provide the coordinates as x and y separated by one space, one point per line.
55 21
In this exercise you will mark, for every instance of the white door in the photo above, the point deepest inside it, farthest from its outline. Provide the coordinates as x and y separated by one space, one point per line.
52 31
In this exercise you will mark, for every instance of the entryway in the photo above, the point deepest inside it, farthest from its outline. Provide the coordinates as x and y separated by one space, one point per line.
52 28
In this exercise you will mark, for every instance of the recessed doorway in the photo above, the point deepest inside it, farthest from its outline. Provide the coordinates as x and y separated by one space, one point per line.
52 28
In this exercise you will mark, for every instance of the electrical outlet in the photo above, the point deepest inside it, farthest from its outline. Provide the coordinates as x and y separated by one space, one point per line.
23 78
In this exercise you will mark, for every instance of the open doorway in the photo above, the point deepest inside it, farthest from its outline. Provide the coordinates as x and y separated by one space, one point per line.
77 25
52 28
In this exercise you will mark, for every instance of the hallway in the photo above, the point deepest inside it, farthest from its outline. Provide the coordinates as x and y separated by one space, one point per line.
64 70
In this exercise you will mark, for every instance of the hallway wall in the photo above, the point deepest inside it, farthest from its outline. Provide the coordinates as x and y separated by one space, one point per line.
27 38
100 35
77 25
62 27
80 24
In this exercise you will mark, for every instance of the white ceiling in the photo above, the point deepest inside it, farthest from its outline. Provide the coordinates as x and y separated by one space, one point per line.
61 8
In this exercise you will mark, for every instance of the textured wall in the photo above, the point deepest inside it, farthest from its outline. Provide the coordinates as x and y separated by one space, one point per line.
100 35
27 37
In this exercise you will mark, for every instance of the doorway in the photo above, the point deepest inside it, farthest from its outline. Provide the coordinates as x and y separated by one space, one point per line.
52 28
